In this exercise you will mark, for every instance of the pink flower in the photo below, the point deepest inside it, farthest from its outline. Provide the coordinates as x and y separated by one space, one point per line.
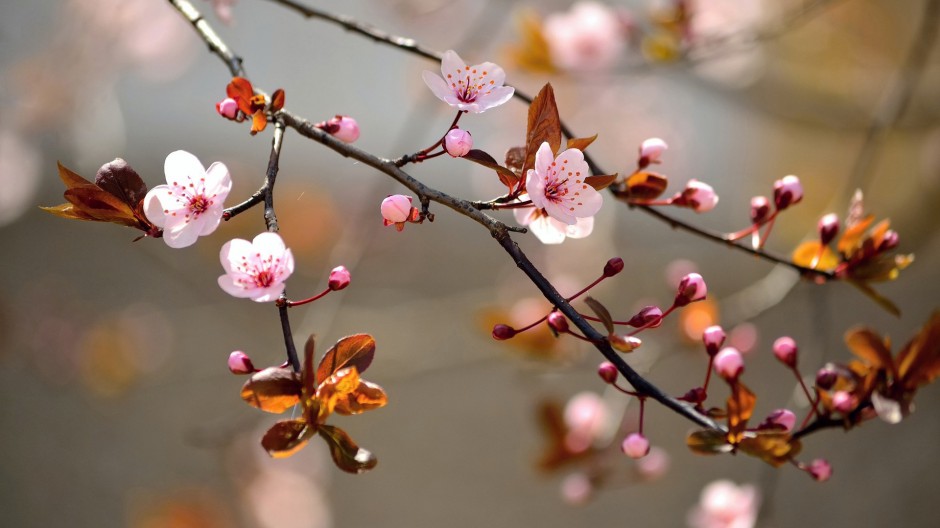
339 278
820 469
698 196
587 418
191 204
239 363
787 191
785 350
635 445
227 108
589 37
396 210
723 504
844 401
651 150
713 337
729 364
692 288
551 231
343 128
256 270
458 142
576 489
557 185
469 88
780 419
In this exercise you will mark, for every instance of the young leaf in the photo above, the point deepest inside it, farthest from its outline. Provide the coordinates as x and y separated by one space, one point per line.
506 176
740 407
308 376
812 254
600 181
879 299
123 182
346 454
515 159
277 100
286 437
544 125
871 349
366 396
919 361
241 90
708 442
581 143
351 351
646 185
272 390
775 448
601 313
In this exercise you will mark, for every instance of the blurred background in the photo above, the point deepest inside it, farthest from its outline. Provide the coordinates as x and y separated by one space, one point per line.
118 409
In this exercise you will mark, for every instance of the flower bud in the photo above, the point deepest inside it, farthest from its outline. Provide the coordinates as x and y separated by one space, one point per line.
760 209
698 196
729 364
502 332
607 371
820 469
780 419
649 315
458 142
691 288
654 465
844 402
828 228
785 350
651 150
889 241
826 377
396 209
343 128
625 344
576 489
787 191
635 445
557 321
239 363
227 108
339 278
713 337
613 267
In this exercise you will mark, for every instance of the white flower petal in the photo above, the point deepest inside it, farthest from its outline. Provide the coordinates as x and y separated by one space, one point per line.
153 205
439 88
233 252
581 229
543 160
218 182
451 63
178 233
181 164
547 230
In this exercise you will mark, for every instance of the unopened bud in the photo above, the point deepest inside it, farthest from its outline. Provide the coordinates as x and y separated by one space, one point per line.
760 209
502 332
625 344
396 209
787 191
651 150
820 469
613 267
635 445
649 315
558 322
698 196
826 377
780 419
339 278
729 364
844 402
227 108
691 288
785 350
713 337
458 142
607 371
889 241
239 363
343 128
828 228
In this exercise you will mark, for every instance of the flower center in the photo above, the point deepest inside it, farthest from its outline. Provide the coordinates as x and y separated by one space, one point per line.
264 278
556 190
198 204
468 94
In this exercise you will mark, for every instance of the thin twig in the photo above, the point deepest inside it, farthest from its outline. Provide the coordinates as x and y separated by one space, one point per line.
270 176
216 45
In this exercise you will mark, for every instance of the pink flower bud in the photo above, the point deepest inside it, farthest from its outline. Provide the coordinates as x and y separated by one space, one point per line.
649 315
651 150
698 196
613 267
576 489
780 419
713 337
760 209
557 321
607 371
820 469
339 278
635 445
785 350
343 128
787 191
729 364
396 209
889 241
239 363
654 465
227 108
502 332
691 288
844 402
458 142
828 228
826 377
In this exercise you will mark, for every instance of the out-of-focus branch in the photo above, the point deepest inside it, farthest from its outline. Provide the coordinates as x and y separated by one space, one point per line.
216 45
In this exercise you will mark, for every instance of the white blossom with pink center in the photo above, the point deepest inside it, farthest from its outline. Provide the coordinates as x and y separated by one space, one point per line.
256 270
473 89
589 37
190 204
551 231
723 504
558 185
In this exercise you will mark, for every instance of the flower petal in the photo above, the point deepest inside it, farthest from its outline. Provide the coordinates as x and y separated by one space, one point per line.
440 88
181 164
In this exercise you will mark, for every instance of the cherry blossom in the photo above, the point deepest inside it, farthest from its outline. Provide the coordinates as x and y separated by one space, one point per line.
635 445
723 504
469 88
589 37
256 270
785 350
191 203
698 196
458 142
729 364
551 231
557 185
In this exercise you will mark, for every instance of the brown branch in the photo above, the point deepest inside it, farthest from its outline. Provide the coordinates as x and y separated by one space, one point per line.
210 37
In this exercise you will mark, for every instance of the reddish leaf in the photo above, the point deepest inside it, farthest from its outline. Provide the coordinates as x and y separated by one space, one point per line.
101 205
581 143
335 388
273 390
646 185
919 361
506 176
812 254
241 90
258 122
277 100
123 182
544 126
68 210
601 311
853 234
775 448
740 407
351 351
308 375
287 437
708 442
600 181
69 178
346 454
515 159
870 348
366 396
